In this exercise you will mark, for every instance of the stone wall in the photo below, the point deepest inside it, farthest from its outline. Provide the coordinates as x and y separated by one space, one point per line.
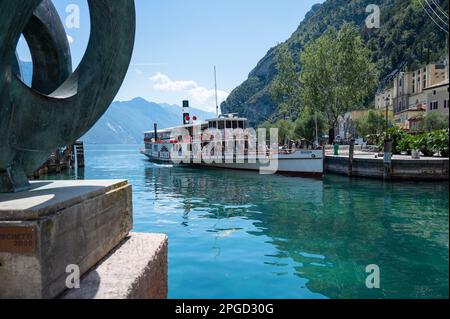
402 169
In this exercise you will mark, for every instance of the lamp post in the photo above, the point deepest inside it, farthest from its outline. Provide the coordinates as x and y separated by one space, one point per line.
387 146
386 102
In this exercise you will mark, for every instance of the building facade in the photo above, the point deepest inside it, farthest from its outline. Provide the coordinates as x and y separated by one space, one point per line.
383 99
413 92
438 98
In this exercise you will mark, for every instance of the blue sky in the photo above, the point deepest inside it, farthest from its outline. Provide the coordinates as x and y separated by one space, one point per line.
178 42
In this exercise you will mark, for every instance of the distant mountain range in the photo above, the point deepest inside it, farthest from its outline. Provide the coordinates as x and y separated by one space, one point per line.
125 122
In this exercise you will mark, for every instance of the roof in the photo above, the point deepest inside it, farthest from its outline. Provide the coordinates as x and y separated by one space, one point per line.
227 119
177 127
437 85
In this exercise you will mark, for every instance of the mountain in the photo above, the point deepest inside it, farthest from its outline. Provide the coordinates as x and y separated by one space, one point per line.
407 35
125 122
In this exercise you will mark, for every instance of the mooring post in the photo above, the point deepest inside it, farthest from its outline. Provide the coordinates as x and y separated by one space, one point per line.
351 156
387 162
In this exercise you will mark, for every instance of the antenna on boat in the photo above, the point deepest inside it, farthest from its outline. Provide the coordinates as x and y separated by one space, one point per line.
215 84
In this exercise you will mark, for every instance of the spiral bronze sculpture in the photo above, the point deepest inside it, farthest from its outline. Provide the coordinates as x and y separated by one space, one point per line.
61 106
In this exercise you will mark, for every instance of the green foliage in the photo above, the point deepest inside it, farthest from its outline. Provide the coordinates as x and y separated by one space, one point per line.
422 143
286 85
397 135
435 142
407 35
407 144
285 129
371 127
435 121
305 126
337 74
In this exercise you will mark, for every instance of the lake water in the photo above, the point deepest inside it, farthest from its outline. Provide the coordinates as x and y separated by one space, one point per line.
235 234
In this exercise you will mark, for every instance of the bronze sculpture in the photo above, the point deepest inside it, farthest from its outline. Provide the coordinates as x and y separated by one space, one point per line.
61 106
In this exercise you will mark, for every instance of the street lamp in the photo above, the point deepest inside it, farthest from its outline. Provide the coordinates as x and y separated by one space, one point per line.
386 103
387 162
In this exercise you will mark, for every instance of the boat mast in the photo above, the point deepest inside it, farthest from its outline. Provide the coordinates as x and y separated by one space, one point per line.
317 130
215 84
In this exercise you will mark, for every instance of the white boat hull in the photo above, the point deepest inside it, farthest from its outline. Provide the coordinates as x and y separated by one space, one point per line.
308 163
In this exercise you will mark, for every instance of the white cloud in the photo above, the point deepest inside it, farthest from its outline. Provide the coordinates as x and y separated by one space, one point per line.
163 83
152 64
200 96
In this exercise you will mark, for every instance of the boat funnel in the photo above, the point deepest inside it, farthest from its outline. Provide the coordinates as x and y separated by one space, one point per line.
186 115
155 126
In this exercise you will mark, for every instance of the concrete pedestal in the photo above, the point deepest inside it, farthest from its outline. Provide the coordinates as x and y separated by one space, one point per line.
56 224
136 269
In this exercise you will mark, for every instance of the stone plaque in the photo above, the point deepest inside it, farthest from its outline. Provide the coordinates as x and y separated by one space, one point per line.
18 240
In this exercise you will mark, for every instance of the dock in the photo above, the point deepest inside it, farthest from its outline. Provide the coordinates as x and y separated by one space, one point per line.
402 167
63 159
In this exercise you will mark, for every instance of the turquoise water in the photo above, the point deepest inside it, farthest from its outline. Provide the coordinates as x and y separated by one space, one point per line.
235 234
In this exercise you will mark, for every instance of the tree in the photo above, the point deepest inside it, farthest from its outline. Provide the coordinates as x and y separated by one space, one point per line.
285 129
372 126
435 121
285 88
305 126
337 74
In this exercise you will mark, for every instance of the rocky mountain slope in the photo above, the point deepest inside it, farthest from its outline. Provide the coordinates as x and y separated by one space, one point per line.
125 122
406 34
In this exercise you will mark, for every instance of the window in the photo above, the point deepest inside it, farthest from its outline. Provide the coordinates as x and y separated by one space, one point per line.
235 124
221 125
446 104
434 105
414 86
434 92
228 124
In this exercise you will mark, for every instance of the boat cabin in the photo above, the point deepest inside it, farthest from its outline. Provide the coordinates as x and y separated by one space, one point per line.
230 121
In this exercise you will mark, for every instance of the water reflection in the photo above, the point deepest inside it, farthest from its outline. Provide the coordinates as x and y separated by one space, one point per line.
243 235
327 232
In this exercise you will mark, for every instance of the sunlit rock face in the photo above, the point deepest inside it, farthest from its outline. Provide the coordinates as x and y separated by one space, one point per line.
406 35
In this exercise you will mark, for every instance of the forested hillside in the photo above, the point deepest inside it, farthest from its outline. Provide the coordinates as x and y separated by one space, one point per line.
406 35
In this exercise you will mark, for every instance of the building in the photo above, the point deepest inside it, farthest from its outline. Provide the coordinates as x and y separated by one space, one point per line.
437 97
412 92
346 128
383 97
